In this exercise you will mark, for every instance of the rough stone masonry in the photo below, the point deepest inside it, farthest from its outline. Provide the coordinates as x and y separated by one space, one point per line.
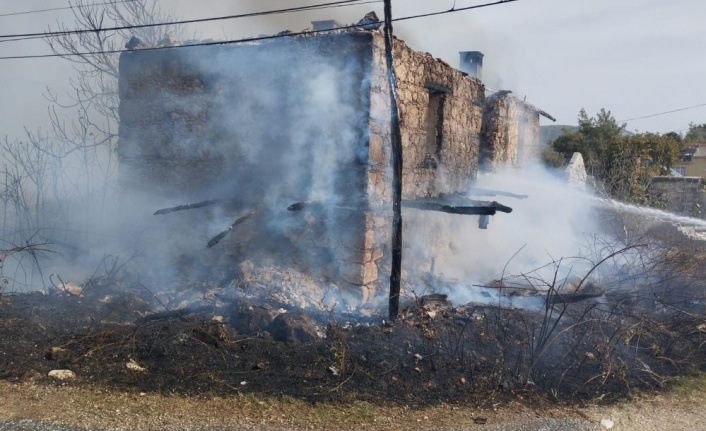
306 119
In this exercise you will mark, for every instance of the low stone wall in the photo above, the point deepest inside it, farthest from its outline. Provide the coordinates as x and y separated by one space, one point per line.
681 195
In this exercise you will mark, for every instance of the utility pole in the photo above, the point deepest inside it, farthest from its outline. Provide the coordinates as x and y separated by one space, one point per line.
396 162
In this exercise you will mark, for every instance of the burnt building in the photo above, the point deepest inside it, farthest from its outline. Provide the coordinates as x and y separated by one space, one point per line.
510 134
305 120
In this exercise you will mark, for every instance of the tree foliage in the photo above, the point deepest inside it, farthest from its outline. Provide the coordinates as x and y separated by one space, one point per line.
622 164
696 133
593 139
552 158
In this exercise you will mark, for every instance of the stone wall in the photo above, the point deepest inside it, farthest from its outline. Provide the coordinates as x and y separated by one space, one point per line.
529 149
193 117
441 113
680 195
440 145
510 134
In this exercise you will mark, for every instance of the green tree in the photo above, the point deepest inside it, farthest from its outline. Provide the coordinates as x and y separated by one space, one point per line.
622 165
676 136
696 133
552 158
631 163
592 139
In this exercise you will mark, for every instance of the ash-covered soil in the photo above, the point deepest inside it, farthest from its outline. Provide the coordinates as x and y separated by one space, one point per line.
206 351
119 335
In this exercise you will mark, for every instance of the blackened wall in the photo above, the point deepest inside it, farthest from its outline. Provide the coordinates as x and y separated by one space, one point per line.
262 126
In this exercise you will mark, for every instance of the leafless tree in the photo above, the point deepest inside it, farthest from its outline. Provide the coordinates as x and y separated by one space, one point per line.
49 179
95 87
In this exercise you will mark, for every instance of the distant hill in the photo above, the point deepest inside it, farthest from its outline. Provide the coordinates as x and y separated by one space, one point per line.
550 133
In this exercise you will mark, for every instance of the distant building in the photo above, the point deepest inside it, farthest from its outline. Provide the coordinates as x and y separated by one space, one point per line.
692 162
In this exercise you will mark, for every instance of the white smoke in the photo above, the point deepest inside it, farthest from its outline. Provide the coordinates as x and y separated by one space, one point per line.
554 223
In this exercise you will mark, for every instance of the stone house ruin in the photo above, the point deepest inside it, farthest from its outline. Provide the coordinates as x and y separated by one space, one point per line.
510 134
305 120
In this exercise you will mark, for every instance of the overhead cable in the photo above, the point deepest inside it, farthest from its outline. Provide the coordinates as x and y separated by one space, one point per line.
249 39
28 12
348 3
663 113
181 22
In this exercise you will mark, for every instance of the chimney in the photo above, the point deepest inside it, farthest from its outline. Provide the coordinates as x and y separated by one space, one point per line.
329 24
472 63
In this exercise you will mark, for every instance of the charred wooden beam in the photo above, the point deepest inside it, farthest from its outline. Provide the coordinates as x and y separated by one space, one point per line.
319 206
189 206
570 298
460 200
299 206
486 192
463 207
484 210
545 115
216 239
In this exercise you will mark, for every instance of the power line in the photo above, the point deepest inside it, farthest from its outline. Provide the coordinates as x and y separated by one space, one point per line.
180 22
159 48
455 9
663 113
272 12
250 39
28 12
20 38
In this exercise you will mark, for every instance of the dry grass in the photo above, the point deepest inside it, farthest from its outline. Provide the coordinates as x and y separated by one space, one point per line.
691 387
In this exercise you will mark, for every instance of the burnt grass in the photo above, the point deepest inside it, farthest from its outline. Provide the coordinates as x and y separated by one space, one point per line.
469 355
